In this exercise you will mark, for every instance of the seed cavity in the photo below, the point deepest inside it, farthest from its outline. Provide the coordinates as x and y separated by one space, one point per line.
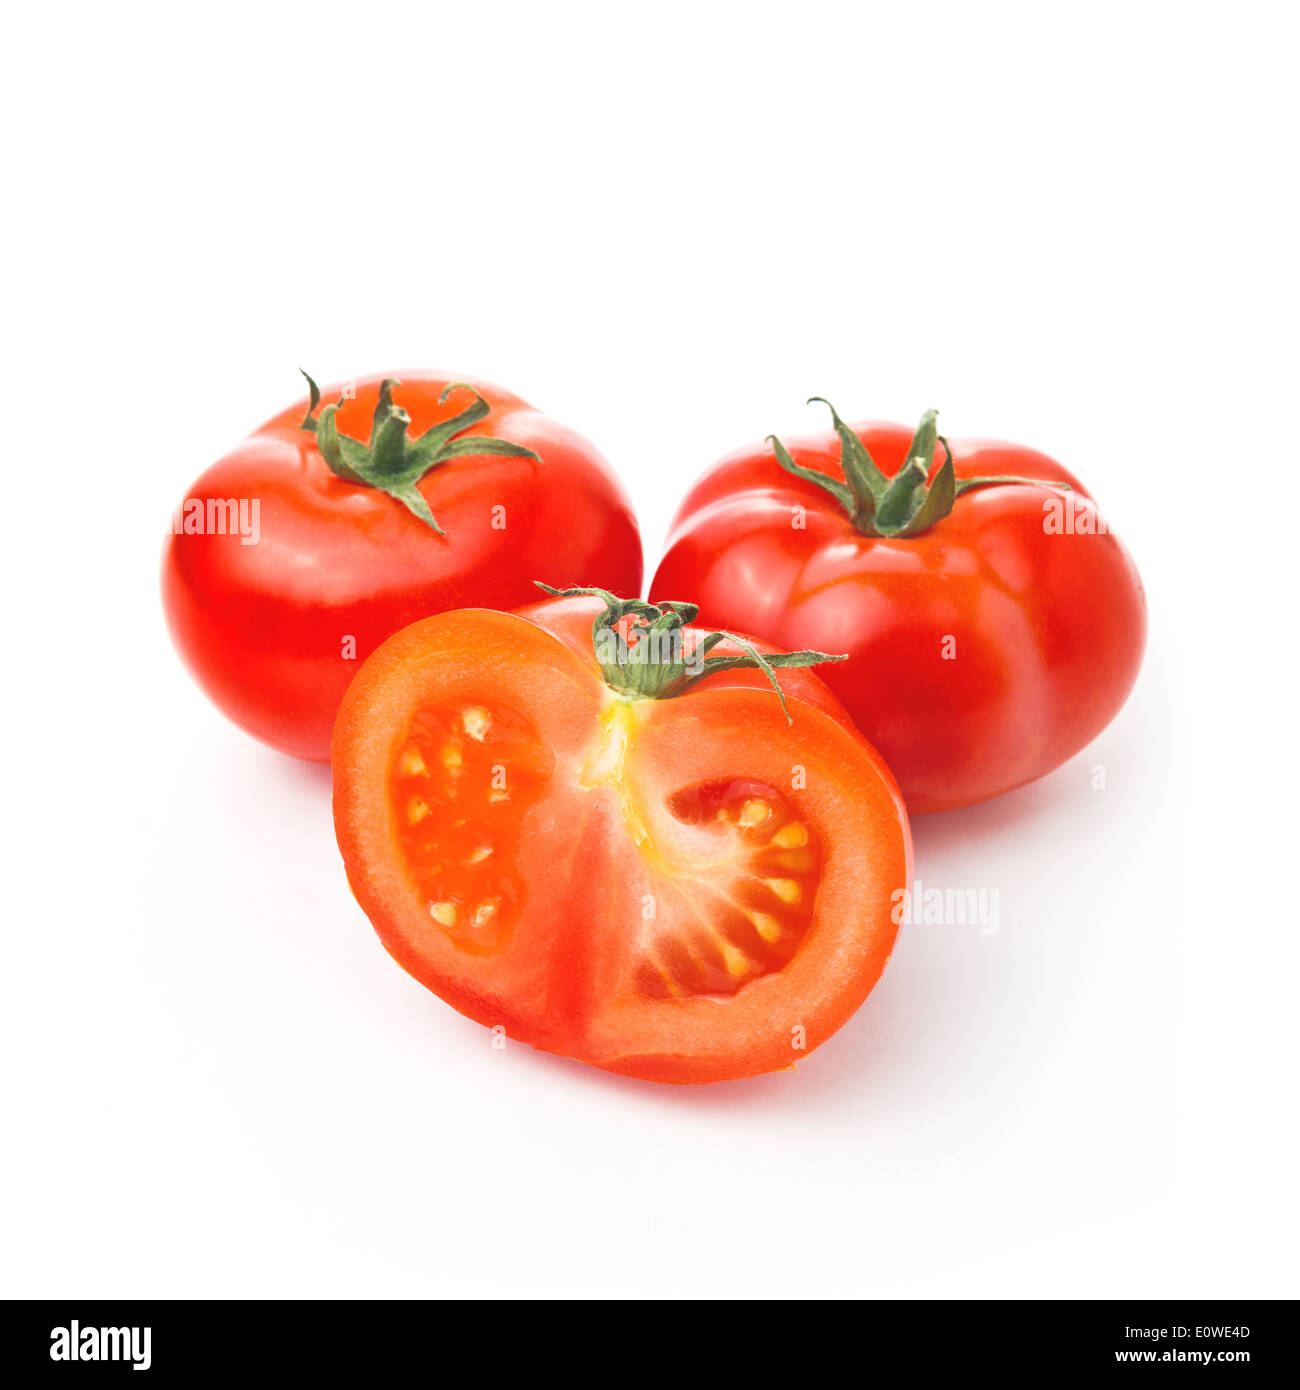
741 911
459 826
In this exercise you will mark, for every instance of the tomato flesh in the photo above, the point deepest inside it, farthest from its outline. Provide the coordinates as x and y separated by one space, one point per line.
687 889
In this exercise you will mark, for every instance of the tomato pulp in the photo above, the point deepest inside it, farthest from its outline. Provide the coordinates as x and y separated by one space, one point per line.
462 495
683 888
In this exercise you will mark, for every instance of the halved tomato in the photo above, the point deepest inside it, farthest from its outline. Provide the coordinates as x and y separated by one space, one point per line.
617 838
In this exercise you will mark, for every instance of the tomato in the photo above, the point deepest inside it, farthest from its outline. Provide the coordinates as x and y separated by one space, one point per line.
300 551
598 830
994 625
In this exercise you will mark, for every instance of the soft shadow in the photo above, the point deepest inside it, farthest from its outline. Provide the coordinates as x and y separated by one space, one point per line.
755 1092
1009 812
297 772
838 1073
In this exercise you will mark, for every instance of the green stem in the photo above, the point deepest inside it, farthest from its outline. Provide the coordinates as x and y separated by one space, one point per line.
392 461
652 662
906 504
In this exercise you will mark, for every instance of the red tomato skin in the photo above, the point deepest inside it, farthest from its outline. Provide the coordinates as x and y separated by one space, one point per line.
265 628
983 653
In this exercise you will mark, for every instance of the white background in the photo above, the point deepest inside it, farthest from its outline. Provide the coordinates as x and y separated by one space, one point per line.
666 225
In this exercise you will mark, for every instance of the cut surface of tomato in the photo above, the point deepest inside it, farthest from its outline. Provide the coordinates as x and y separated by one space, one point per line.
684 889
460 820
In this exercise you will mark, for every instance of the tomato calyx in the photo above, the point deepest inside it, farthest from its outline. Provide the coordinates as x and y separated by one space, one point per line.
393 462
644 650
906 504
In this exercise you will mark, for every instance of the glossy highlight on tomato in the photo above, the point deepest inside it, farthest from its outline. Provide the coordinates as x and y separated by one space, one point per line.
685 889
408 495
994 625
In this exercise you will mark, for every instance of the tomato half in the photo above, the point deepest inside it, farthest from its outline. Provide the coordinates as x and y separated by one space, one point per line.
993 625
298 553
683 889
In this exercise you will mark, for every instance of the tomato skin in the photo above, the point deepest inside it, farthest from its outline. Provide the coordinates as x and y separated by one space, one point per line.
263 627
563 985
1044 632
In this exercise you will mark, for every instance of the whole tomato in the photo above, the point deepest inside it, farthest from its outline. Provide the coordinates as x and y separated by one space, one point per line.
293 557
993 623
